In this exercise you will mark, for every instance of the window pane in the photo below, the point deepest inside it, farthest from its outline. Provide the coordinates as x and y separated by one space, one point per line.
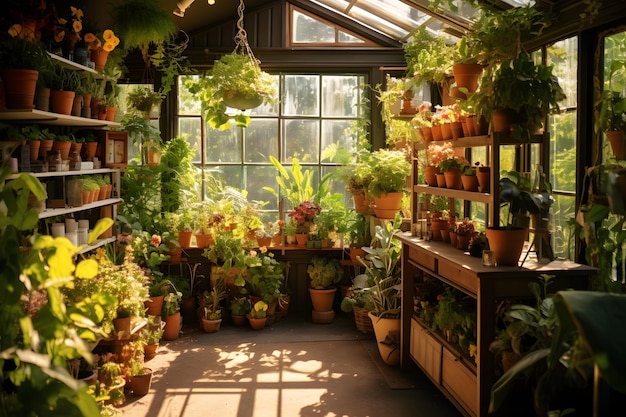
337 131
340 96
258 177
186 103
301 95
261 140
223 145
346 37
301 140
266 109
563 152
229 175
306 29
190 127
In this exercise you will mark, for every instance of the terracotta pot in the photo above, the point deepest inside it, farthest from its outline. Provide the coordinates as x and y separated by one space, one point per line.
445 235
446 131
238 320
470 182
467 75
140 384
322 317
506 244
483 175
301 239
44 147
19 87
34 149
184 239
453 179
427 133
437 134
62 101
63 147
154 305
471 126
264 241
462 242
616 139
436 227
172 327
42 99
457 130
204 240
87 100
77 105
453 239
211 326
322 300
387 328
430 175
111 112
355 253
387 205
361 203
96 104
257 324
149 351
441 180
122 326
89 150
99 57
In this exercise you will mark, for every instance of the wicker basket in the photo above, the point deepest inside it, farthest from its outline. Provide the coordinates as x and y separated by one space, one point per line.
362 320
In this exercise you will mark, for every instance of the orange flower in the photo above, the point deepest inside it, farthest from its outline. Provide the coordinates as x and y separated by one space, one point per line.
110 41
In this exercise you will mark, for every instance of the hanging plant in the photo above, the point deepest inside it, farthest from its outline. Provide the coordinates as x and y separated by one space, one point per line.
141 23
236 81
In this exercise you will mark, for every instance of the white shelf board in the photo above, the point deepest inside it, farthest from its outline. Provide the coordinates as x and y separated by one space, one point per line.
48 118
52 212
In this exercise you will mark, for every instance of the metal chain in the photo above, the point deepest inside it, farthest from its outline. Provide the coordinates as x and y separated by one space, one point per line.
241 39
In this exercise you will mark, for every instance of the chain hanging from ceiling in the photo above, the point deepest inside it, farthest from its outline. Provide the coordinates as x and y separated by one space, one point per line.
242 46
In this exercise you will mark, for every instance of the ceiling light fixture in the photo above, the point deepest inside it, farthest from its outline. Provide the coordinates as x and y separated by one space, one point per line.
183 5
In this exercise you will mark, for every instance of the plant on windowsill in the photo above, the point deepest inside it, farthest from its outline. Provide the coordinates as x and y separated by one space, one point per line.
610 109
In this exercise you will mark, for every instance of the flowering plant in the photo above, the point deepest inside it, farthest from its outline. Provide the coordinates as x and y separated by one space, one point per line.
455 162
228 250
450 114
423 116
269 230
465 227
304 215
148 250
439 153
76 27
109 42
264 275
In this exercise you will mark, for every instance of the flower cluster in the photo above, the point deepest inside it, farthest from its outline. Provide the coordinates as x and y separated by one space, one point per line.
269 230
110 41
304 215
76 27
439 153
465 228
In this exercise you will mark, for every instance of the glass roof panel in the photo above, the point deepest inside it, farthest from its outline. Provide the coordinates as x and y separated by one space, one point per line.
397 19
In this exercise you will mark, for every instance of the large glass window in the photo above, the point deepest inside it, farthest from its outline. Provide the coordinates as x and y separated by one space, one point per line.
563 56
316 111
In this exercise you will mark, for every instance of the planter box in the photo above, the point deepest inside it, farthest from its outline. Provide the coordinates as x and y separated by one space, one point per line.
460 382
426 351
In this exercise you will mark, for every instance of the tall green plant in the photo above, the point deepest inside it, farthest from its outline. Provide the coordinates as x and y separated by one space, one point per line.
178 176
296 187
40 337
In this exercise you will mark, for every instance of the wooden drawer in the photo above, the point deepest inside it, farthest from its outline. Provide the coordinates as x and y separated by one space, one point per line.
422 257
426 351
459 275
460 382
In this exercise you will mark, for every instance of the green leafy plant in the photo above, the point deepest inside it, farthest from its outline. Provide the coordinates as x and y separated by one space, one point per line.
143 99
610 107
429 58
389 170
211 303
20 51
324 273
382 265
240 306
233 74
259 310
265 276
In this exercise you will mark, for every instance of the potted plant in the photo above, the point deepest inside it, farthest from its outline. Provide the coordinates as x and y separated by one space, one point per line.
469 178
144 100
520 199
264 278
171 313
21 58
358 301
389 169
257 317
304 215
324 274
382 266
151 336
610 108
452 168
212 309
239 307
523 93
236 81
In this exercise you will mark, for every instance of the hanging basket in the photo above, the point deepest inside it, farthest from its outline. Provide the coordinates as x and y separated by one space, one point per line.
237 100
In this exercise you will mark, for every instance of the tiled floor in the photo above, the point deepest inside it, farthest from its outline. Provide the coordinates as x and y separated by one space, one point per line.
292 368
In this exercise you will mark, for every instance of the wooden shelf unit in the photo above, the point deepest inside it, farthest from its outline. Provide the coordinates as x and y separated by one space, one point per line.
468 386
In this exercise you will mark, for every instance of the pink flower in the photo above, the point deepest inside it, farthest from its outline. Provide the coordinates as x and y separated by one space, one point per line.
156 240
253 253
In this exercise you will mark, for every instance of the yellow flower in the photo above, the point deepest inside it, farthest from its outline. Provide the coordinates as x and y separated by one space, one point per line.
77 26
90 37
108 34
110 41
76 12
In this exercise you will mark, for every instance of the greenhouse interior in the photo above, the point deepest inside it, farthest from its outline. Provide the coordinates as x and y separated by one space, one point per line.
359 208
